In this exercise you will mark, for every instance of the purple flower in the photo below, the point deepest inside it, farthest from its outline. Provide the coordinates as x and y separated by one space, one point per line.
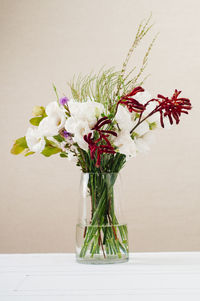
63 101
66 134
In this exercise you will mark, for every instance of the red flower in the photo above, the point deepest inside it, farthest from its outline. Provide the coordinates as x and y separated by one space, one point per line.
132 104
171 107
96 146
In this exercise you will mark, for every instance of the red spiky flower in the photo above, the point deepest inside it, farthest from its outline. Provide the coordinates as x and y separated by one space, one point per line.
171 107
132 104
102 144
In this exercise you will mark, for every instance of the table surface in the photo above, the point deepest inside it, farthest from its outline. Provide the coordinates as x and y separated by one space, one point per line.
56 277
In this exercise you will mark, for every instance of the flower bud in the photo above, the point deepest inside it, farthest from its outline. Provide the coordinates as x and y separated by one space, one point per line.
38 111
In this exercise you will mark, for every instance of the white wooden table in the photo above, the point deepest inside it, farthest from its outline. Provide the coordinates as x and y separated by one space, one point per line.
56 277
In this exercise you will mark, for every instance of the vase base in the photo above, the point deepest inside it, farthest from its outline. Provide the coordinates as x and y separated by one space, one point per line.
101 244
101 260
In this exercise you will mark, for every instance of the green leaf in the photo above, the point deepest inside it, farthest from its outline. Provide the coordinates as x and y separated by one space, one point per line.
152 125
55 90
19 146
111 115
50 143
36 120
134 135
50 150
29 153
59 138
63 155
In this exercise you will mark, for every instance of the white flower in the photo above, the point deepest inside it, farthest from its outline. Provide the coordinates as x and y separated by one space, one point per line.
125 144
50 125
126 122
88 111
53 108
35 141
123 118
83 118
79 129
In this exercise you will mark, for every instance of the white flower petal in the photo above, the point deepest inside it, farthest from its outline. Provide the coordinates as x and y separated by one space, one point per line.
35 141
78 129
55 121
125 144
70 125
47 127
88 111
83 118
53 108
123 118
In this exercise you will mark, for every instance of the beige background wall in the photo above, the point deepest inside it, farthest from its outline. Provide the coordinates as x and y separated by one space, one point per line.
45 41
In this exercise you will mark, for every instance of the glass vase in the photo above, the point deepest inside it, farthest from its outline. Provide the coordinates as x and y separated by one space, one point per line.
101 234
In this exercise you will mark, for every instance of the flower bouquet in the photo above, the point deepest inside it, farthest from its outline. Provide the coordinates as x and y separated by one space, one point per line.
109 119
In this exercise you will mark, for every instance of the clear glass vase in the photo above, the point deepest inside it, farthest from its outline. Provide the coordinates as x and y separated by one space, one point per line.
101 234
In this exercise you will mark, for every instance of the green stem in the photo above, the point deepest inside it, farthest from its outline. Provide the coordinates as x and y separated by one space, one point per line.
104 232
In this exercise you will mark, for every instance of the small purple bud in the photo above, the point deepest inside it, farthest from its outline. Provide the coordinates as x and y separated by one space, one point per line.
63 101
66 134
